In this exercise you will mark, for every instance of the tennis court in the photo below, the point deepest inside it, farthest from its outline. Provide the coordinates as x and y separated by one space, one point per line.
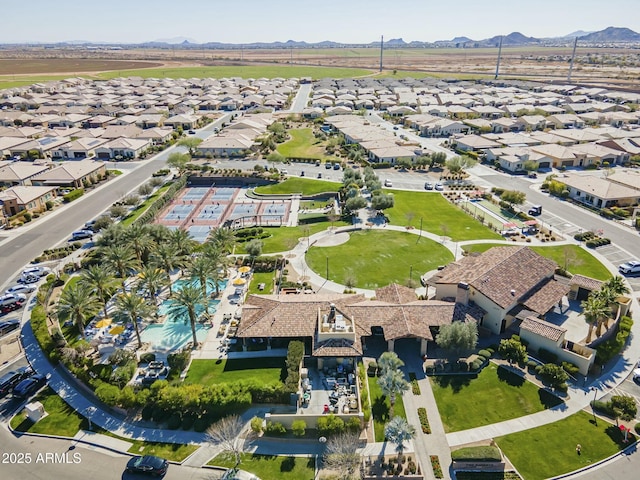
199 232
211 212
179 212
222 194
195 193
243 210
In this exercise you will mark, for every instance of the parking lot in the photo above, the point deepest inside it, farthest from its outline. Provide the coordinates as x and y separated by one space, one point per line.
628 387
617 256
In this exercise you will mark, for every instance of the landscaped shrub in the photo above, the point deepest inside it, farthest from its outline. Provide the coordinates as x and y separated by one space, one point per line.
147 412
179 361
620 406
298 427
147 357
372 369
256 424
475 365
415 386
295 353
187 422
364 393
435 465
547 356
477 454
612 347
201 424
553 374
275 428
485 353
73 195
174 422
330 425
570 368
353 425
424 420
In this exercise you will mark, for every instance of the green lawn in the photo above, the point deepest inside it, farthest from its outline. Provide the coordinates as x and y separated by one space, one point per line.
550 450
61 419
262 277
302 145
377 258
467 401
306 186
380 405
210 372
268 71
144 206
578 260
283 239
174 452
271 467
437 214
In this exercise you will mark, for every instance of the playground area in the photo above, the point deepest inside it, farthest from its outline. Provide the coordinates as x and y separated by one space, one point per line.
200 209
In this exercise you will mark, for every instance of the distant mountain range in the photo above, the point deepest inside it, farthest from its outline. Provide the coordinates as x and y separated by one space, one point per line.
609 35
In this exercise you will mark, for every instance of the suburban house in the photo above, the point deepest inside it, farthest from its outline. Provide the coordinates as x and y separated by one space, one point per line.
71 174
126 148
504 282
338 325
47 147
555 156
19 173
33 199
474 143
156 135
599 192
226 146
81 148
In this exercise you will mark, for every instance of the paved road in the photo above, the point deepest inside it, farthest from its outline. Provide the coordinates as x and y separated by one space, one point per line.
302 98
19 250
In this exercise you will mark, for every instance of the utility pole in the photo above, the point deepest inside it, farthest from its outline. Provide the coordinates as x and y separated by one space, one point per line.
573 56
499 55
381 50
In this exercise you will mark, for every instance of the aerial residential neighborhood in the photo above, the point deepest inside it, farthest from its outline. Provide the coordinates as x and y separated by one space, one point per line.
364 258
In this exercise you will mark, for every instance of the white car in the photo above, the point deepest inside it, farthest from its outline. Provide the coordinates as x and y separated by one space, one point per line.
636 375
387 183
630 267
20 288
36 271
11 298
439 187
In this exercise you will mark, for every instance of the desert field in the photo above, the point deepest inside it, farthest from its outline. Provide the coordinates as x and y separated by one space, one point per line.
595 66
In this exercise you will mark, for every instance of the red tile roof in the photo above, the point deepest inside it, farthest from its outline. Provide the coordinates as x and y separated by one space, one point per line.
542 328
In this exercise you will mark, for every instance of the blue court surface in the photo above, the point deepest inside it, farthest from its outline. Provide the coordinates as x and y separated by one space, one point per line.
223 193
199 232
242 210
179 212
195 193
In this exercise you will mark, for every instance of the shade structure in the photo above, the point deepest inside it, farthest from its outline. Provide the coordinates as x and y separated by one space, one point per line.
510 225
530 223
105 322
245 269
239 281
117 330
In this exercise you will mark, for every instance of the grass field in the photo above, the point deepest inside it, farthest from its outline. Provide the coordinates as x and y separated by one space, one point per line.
261 277
283 239
550 450
377 258
302 145
210 372
271 467
437 214
380 405
578 260
494 395
173 452
306 186
129 219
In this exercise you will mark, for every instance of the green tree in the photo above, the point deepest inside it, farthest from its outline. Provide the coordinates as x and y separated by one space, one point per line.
137 236
254 248
135 308
224 239
121 259
275 157
457 165
100 279
202 269
179 161
79 302
153 279
439 158
617 286
404 163
182 241
392 383
398 431
355 203
191 143
512 350
187 300
530 165
553 374
458 336
389 362
167 257
423 161
594 309
513 197
624 407
382 202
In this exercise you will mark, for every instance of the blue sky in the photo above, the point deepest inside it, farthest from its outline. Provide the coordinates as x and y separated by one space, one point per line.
356 21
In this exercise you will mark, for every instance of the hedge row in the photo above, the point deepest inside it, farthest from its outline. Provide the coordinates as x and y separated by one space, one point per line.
73 195
612 347
597 242
295 353
161 201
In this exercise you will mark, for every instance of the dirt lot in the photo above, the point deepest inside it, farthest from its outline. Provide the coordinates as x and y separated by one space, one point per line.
38 66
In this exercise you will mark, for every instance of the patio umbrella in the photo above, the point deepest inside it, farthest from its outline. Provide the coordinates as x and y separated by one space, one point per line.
117 330
239 281
244 269
510 225
105 322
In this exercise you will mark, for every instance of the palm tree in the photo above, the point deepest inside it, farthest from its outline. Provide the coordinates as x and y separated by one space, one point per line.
594 308
202 269
389 361
158 233
121 259
153 278
138 238
392 383
112 235
101 280
188 298
398 431
181 240
133 306
78 301
167 257
223 238
617 286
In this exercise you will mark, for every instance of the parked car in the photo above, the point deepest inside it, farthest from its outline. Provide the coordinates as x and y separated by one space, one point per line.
148 464
535 210
388 183
630 268
636 375
11 298
29 386
327 165
336 166
10 307
39 271
81 234
317 163
192 132
439 187
20 288
8 381
284 171
428 186
8 326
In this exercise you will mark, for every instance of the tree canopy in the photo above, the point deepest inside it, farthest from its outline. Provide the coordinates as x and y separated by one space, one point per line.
458 336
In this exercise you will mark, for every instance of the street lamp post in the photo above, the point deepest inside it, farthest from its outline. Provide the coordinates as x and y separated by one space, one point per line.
593 410
411 274
327 267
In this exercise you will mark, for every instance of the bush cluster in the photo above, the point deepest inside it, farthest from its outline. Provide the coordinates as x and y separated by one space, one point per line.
73 195
159 203
295 352
612 347
597 242
249 234
415 386
57 253
364 393
620 406
424 420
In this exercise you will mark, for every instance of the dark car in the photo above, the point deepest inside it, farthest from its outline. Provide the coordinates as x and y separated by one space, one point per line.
11 307
8 381
148 464
9 326
327 165
29 386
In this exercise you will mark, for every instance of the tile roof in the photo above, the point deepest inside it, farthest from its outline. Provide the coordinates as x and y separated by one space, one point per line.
587 283
395 293
542 328
545 296
338 347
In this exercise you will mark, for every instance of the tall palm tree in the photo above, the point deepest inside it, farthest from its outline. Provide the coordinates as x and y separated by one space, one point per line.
392 383
167 257
398 431
223 238
188 298
220 262
158 233
133 307
617 286
112 235
594 308
100 278
202 269
153 278
181 240
389 361
79 302
138 238
121 259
